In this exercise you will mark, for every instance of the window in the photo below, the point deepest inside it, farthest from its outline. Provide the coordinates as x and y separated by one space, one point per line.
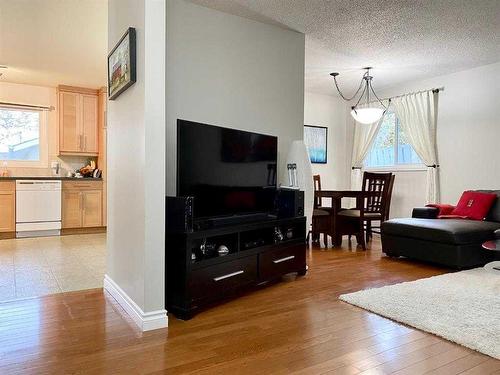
391 147
21 131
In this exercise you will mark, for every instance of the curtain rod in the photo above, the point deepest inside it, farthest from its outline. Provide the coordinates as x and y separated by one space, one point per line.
435 90
27 106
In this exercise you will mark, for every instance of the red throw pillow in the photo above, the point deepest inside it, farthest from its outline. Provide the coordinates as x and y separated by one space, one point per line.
474 205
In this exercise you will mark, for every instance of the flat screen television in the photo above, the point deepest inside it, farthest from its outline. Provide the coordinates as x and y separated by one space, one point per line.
228 172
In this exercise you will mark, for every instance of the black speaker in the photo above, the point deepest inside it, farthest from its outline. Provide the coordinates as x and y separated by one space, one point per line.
289 203
179 211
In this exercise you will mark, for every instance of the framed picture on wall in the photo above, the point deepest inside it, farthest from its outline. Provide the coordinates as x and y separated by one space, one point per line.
121 65
316 140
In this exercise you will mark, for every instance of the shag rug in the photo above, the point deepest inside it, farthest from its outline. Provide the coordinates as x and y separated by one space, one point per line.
463 307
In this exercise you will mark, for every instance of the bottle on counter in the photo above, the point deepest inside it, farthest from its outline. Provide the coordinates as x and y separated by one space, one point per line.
4 172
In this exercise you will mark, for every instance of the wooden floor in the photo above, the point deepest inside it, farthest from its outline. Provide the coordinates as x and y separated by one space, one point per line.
296 326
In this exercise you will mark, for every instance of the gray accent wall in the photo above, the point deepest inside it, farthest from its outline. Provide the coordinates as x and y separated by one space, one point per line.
230 71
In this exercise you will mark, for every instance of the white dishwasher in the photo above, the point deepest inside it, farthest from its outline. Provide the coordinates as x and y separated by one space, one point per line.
38 208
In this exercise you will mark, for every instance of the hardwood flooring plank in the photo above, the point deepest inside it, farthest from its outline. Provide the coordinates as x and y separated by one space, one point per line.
296 326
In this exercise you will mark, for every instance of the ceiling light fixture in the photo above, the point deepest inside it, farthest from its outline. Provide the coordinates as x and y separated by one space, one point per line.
369 113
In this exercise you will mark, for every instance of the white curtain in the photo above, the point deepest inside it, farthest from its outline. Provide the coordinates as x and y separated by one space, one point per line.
417 113
364 135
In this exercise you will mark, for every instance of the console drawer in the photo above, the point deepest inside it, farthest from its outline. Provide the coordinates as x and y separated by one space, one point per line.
274 264
222 278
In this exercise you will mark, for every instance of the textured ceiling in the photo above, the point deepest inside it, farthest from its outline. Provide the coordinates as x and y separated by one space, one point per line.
402 40
51 42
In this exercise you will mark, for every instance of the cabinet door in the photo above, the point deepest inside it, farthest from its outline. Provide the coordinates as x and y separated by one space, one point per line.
7 211
92 208
90 128
70 139
72 209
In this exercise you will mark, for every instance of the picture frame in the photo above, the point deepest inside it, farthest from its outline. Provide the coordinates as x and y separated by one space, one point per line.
122 65
316 140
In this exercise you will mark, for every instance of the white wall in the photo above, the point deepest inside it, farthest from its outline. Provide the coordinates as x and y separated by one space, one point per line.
136 159
329 111
230 71
468 130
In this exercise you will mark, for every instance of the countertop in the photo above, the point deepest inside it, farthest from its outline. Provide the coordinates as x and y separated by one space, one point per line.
49 178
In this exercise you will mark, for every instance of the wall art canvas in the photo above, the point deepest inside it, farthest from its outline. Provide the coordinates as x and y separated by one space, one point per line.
315 138
121 65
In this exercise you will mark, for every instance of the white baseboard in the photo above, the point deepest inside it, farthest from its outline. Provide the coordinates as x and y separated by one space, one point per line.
146 321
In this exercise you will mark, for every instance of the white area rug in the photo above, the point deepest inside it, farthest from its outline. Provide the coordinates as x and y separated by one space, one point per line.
463 307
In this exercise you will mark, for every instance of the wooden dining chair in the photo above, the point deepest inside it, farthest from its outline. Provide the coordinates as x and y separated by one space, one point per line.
375 207
370 229
322 216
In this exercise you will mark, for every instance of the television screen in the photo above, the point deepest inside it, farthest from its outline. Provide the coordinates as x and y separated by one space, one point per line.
227 171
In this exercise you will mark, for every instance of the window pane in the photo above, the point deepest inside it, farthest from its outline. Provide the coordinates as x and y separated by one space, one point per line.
19 134
406 153
382 151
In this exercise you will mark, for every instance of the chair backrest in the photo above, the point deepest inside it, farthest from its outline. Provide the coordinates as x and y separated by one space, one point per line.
317 187
389 198
379 183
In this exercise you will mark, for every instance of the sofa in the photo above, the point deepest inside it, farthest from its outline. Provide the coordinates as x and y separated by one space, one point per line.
454 243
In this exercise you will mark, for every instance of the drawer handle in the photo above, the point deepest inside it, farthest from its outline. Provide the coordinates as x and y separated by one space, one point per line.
284 259
228 275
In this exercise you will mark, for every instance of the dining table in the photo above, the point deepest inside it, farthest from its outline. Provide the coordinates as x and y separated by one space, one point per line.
336 204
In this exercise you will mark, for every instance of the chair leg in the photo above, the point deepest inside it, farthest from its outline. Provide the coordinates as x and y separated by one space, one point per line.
368 231
361 236
338 240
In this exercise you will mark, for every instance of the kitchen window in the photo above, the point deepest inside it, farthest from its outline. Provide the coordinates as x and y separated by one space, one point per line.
391 148
23 140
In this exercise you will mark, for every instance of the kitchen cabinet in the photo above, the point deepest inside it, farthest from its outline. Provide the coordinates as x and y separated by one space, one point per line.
7 206
92 208
82 204
71 209
78 121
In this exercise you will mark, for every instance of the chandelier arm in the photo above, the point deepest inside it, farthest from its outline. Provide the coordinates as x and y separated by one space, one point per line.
342 95
380 101
360 97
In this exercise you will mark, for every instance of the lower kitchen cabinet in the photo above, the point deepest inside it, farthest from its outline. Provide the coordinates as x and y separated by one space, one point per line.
92 208
71 209
7 206
81 204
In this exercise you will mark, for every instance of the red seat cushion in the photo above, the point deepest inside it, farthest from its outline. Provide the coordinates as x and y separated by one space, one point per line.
474 205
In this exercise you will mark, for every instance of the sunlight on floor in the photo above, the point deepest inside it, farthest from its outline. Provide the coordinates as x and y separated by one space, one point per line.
34 267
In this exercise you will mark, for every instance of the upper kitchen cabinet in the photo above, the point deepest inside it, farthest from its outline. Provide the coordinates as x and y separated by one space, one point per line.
78 121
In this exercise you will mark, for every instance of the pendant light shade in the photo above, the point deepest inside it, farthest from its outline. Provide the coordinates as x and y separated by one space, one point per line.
367 115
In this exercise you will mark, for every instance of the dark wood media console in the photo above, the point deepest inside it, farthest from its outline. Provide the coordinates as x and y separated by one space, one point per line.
197 276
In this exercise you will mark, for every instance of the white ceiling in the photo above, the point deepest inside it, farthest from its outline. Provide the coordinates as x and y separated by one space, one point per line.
404 40
51 42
